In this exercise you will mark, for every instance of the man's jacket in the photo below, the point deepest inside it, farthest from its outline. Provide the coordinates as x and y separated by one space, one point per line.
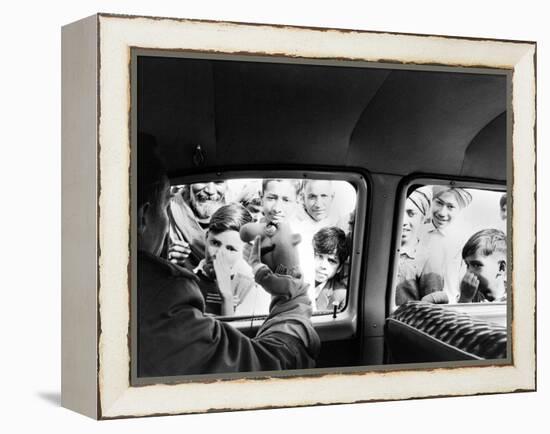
175 337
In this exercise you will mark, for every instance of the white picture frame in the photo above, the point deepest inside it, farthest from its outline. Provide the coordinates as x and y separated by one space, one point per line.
96 218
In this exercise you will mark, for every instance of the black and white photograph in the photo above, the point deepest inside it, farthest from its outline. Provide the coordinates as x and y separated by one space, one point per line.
317 216
259 216
286 217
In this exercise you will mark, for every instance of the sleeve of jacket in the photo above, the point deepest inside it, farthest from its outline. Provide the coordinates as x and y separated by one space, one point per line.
219 347
290 310
278 285
185 341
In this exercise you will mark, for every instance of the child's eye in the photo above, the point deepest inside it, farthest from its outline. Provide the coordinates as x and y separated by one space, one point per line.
333 261
231 249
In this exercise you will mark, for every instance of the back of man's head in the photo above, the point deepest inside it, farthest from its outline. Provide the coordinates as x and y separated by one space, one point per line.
151 175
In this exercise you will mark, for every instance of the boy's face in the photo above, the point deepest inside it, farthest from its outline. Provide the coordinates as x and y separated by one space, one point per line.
279 200
318 197
445 208
326 266
229 241
491 273
411 222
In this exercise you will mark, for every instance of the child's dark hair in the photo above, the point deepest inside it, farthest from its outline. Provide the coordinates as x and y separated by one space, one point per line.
296 183
485 243
229 218
151 176
331 240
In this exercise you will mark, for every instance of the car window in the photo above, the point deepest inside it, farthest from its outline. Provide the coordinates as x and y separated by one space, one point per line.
452 246
205 220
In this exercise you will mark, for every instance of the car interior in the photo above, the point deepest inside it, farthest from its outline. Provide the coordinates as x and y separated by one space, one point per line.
376 132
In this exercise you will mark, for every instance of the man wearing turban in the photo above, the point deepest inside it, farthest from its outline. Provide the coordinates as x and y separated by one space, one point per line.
442 241
447 204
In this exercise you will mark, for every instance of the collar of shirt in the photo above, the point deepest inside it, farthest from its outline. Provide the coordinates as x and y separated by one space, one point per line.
434 230
323 287
200 267
409 250
199 271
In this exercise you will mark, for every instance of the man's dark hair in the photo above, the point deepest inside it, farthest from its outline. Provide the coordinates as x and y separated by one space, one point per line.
296 183
485 243
151 175
229 218
331 240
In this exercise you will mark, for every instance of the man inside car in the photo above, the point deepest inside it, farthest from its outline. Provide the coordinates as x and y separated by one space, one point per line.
175 337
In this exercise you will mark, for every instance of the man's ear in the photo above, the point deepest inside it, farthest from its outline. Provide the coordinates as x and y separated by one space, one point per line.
502 267
296 239
143 216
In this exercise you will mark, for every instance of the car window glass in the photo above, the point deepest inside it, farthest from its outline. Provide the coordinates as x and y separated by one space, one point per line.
205 218
452 246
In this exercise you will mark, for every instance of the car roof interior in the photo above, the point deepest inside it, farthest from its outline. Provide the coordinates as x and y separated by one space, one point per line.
385 121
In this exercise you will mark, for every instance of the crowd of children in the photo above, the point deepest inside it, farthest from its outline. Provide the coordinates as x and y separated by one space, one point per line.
227 281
